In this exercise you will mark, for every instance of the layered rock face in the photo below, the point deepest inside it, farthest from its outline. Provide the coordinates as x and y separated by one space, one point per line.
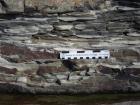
32 32
48 6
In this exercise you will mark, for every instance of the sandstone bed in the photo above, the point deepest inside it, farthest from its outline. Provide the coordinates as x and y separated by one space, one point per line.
33 32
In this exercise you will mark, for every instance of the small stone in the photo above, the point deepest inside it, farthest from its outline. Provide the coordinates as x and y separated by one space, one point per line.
45 28
80 26
3 61
85 77
63 81
52 21
66 82
60 77
82 73
53 80
67 19
14 56
90 72
73 78
49 76
22 79
63 27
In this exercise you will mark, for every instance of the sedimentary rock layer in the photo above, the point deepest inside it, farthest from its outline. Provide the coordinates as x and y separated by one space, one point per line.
32 37
49 6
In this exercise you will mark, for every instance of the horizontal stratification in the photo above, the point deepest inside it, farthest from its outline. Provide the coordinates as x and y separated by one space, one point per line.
128 3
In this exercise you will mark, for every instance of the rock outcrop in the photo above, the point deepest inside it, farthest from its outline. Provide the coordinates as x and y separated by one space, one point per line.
32 32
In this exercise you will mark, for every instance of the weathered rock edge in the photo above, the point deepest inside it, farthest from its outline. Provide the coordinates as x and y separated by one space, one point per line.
53 90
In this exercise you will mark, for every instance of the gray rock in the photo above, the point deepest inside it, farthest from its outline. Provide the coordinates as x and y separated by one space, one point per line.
80 26
22 79
3 61
75 78
82 73
86 18
44 6
15 22
49 76
100 26
16 38
63 81
61 73
22 30
12 6
67 19
47 6
68 83
118 25
134 34
64 7
1 33
53 80
85 77
44 28
90 72
33 19
61 77
88 34
53 21
104 27
2 10
63 27
65 33
14 56
10 78
137 12
70 19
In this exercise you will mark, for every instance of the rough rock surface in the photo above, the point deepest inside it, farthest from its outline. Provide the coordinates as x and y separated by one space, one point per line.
32 36
49 6
11 6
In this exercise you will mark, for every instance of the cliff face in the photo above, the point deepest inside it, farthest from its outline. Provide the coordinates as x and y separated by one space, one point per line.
32 32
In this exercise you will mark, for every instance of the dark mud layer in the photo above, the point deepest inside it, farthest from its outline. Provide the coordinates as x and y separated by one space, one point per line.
97 99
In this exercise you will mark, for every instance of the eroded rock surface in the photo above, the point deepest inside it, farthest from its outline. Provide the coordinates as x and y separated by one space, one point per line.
30 43
49 6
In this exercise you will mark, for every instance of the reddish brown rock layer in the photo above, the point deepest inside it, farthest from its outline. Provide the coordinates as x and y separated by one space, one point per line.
24 53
